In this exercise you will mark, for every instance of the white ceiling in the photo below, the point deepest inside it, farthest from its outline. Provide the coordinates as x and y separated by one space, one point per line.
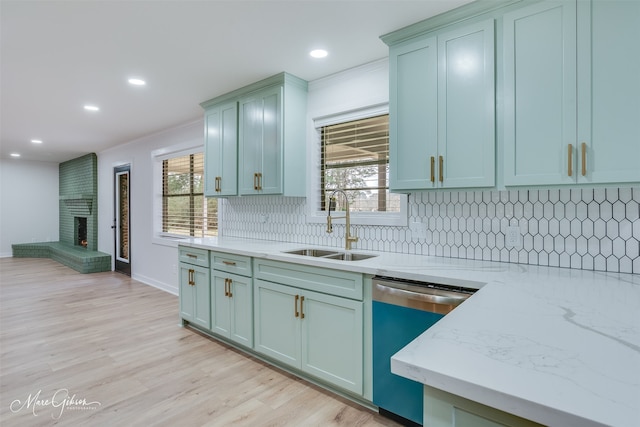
57 56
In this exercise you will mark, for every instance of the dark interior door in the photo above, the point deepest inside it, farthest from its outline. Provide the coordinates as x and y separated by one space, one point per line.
121 221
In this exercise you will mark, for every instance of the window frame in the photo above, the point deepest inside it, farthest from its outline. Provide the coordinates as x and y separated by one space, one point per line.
314 214
158 156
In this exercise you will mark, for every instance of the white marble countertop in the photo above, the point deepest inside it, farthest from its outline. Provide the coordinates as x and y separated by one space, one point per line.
557 346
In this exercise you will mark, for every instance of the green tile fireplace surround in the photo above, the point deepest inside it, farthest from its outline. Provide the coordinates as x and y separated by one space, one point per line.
78 224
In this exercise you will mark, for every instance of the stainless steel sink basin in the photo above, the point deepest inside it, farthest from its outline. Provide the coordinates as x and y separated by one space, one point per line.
337 255
311 252
349 256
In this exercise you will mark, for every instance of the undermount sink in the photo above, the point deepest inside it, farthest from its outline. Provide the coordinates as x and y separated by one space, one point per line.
337 255
311 252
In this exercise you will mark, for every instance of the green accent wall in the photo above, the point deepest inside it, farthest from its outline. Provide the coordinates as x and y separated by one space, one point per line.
78 189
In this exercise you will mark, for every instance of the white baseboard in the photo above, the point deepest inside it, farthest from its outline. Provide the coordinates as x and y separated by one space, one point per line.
6 254
156 284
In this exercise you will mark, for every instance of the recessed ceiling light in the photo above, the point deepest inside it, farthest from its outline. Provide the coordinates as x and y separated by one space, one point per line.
318 53
15 154
137 82
91 108
36 141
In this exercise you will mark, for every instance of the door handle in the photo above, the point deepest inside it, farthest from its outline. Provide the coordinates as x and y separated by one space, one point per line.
226 285
295 303
570 160
301 308
190 278
255 181
584 158
229 294
440 167
433 169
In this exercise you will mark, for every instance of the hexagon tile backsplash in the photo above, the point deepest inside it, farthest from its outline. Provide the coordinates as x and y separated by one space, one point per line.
590 229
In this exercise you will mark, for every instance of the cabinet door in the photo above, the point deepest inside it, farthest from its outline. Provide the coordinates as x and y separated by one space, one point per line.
220 313
332 334
261 142
187 293
195 305
539 93
232 307
413 112
241 310
277 322
442 409
609 91
466 107
221 150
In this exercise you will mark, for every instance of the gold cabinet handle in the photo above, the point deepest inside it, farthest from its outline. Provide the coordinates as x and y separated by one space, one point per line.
218 186
226 284
296 314
570 160
192 256
228 262
433 169
191 277
301 308
257 181
440 167
584 158
229 294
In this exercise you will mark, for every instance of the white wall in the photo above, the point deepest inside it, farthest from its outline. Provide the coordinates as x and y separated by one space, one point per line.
151 262
28 203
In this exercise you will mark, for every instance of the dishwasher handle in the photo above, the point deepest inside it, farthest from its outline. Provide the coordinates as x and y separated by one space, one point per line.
427 299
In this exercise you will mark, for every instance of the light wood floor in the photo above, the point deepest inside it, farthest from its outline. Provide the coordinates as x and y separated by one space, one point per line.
109 339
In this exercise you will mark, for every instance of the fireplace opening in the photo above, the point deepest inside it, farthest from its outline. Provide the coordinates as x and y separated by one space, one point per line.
81 231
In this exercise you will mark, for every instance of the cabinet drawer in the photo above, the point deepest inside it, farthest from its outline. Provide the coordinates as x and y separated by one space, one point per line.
333 282
236 264
193 256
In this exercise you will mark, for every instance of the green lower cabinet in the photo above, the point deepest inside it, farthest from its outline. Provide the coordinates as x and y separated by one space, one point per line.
442 409
232 307
317 333
195 295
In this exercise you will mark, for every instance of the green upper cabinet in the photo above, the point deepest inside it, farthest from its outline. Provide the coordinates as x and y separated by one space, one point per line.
442 109
572 96
260 143
220 147
609 90
265 153
413 113
466 106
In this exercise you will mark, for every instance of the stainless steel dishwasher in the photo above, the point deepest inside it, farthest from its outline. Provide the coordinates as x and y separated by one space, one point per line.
402 310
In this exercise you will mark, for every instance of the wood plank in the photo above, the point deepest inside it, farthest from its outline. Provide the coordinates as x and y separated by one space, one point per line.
109 339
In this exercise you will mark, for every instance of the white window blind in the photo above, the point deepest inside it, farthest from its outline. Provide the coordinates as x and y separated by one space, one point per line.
185 210
355 158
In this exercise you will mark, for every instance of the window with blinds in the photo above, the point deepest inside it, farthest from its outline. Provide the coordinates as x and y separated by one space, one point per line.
185 210
355 158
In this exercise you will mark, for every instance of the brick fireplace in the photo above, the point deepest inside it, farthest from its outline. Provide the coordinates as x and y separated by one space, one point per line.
78 201
78 227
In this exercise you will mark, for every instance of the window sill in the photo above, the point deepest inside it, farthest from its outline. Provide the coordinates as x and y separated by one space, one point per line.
170 241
